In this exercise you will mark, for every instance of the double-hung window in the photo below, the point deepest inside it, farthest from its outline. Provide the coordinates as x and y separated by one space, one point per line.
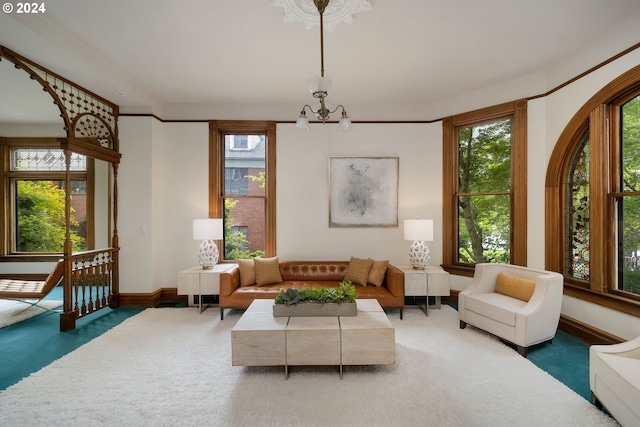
485 187
34 202
242 186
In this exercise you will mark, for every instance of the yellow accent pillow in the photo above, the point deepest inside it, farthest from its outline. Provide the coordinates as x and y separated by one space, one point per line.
376 274
267 271
358 270
247 272
515 287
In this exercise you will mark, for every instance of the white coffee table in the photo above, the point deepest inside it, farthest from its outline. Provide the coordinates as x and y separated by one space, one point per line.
259 339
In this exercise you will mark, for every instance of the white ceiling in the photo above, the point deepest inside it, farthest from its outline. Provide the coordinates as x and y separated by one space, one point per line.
188 59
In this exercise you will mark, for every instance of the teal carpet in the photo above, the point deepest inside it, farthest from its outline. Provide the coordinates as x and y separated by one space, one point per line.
32 344
28 346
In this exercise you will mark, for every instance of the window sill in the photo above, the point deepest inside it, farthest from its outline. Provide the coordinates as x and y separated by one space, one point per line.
459 270
614 302
31 258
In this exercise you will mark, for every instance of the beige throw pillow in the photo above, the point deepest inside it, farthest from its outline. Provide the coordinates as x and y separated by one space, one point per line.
376 274
247 272
358 270
267 271
515 287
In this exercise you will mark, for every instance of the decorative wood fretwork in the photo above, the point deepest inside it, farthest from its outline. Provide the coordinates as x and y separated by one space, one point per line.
86 116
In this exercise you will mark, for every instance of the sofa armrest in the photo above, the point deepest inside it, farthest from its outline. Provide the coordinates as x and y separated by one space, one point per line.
394 281
229 281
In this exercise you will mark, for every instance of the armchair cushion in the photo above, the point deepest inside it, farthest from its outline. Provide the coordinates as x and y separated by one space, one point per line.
515 287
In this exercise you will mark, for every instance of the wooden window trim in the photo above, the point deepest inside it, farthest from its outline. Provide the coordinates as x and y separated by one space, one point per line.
216 171
517 111
600 115
6 144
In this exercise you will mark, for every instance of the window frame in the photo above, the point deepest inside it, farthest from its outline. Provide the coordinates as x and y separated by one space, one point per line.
517 112
7 206
217 129
600 116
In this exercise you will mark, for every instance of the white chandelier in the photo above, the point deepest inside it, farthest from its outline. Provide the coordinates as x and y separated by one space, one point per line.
319 87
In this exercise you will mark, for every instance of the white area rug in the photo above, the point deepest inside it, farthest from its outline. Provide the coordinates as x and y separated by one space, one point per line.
172 367
14 311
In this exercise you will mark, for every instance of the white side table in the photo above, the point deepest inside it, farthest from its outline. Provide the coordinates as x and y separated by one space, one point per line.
196 281
430 282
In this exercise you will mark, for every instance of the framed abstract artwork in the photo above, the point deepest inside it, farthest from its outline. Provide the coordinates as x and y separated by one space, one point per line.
363 191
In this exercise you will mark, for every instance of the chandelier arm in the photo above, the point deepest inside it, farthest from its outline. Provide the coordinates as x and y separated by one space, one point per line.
336 109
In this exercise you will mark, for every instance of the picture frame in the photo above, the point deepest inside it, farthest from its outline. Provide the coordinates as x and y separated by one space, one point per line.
363 191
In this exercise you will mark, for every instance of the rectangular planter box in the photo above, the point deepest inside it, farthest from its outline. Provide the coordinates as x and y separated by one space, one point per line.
314 309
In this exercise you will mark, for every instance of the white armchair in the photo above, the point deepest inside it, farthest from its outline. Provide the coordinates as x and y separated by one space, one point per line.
614 379
522 320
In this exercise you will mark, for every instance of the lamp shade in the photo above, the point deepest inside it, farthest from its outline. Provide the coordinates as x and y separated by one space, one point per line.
345 123
207 229
418 230
303 122
319 84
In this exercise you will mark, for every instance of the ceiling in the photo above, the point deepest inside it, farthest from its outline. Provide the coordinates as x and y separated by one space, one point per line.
199 59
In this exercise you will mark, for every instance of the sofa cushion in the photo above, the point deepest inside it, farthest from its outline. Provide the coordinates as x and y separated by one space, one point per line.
376 274
267 271
247 272
358 270
515 287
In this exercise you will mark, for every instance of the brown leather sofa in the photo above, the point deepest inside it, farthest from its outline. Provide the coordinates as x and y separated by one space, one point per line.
309 274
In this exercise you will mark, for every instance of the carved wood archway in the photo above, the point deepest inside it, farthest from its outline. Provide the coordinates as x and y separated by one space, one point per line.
91 126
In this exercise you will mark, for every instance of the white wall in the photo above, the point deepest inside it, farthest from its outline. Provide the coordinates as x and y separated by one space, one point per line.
164 177
303 189
135 219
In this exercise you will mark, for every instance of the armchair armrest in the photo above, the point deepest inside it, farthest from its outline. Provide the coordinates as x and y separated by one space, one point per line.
484 279
229 281
539 318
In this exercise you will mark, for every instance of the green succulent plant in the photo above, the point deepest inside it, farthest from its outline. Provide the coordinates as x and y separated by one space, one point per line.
346 292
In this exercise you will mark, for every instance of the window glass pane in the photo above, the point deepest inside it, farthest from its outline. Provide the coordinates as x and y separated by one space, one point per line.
484 229
629 279
629 206
577 218
40 216
244 228
236 181
244 168
630 142
45 159
484 157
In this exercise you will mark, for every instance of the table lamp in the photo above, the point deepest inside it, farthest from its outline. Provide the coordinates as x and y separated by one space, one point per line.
420 231
208 230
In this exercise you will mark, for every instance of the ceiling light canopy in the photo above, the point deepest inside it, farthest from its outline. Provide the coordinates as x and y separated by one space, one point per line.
319 86
306 11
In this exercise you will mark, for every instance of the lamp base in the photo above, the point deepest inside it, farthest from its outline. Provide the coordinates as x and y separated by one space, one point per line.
208 254
419 255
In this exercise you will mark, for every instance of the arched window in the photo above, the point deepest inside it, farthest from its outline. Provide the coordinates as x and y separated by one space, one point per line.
593 199
577 219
